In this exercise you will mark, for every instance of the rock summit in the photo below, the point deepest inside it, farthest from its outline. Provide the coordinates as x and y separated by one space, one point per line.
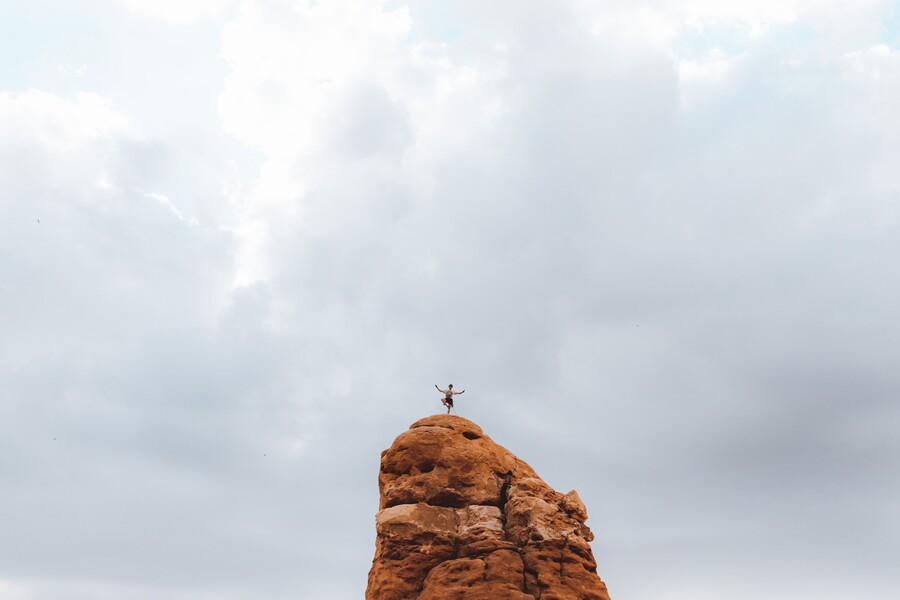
461 517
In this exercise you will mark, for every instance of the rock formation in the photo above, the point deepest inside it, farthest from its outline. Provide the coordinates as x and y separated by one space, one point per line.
461 517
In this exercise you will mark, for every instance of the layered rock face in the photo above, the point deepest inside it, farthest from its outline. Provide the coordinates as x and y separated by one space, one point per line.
461 517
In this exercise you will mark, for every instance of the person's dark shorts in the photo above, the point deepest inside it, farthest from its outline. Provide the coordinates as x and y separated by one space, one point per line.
449 401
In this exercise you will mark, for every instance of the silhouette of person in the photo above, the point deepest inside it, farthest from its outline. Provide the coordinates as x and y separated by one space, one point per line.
447 400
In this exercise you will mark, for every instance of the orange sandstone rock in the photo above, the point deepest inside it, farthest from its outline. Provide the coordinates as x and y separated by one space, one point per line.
461 517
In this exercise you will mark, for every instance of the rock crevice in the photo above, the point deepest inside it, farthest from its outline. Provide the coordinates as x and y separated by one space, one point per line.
462 517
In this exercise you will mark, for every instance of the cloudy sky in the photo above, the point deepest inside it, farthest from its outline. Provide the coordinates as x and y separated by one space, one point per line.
240 241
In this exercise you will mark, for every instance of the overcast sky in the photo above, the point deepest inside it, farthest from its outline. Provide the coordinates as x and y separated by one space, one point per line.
656 241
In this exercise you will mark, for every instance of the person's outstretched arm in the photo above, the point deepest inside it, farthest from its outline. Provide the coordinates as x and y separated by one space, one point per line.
462 392
439 389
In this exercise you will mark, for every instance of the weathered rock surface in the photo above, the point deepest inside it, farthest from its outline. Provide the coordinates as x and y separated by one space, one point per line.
461 517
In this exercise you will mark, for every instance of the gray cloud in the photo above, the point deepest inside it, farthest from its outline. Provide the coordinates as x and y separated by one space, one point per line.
679 305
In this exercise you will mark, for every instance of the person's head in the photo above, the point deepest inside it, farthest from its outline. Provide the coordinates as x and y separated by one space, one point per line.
449 386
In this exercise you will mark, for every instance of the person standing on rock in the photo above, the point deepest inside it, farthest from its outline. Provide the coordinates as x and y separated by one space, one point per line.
448 396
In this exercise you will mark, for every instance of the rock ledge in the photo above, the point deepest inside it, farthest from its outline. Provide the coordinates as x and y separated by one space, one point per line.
461 517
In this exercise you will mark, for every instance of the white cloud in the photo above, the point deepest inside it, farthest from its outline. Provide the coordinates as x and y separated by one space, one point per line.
876 63
701 78
872 77
755 16
74 223
177 12
328 47
165 201
695 27
14 591
120 305
59 126
661 23
361 99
